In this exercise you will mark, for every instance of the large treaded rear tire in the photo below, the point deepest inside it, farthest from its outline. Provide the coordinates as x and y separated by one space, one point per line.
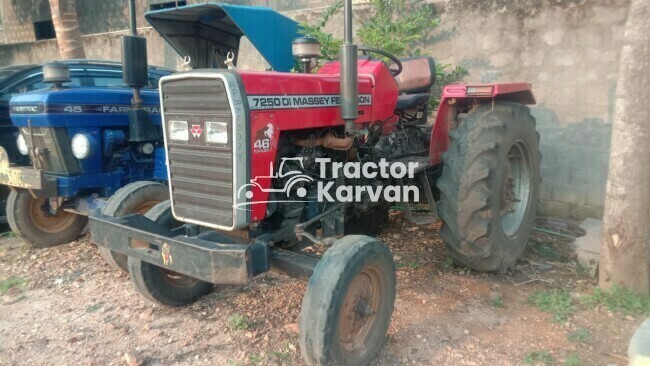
26 219
476 166
158 284
348 305
138 197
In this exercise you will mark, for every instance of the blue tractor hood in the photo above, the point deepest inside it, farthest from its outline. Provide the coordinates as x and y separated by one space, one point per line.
89 107
207 32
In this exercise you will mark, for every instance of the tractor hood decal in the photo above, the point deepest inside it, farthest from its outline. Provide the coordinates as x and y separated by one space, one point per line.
207 32
78 108
262 102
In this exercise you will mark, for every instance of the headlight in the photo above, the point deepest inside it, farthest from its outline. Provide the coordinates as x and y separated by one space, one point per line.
22 145
178 131
80 146
216 132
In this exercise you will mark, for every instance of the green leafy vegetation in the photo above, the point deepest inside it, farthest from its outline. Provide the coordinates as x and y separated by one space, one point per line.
93 308
395 26
619 299
281 358
556 301
497 302
449 262
239 322
573 359
330 45
538 358
254 360
580 335
11 282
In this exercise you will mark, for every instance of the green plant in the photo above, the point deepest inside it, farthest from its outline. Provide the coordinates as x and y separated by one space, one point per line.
449 262
239 322
254 360
282 358
580 335
573 359
556 301
330 45
395 26
445 74
497 302
9 283
538 358
620 299
93 308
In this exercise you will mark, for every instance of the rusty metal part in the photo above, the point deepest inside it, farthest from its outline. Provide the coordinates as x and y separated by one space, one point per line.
45 222
360 307
330 141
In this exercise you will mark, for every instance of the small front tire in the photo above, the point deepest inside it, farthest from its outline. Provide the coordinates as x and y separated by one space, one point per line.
349 302
161 285
28 218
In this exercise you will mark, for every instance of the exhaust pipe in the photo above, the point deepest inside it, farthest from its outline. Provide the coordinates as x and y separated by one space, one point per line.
349 77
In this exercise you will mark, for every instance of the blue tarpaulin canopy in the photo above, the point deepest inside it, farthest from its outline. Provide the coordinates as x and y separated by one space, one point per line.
207 32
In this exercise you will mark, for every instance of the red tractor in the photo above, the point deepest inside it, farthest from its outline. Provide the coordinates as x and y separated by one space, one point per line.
354 123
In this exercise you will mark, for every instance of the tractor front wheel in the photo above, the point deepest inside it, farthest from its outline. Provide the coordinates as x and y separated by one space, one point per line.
489 186
30 218
349 302
138 197
161 285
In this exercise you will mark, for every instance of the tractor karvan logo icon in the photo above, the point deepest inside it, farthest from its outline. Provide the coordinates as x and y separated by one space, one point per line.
292 177
196 131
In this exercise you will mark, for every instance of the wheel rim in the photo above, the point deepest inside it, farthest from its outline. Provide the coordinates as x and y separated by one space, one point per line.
145 206
515 189
50 224
177 279
359 313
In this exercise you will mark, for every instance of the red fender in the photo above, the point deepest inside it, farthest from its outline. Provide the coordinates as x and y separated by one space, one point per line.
460 95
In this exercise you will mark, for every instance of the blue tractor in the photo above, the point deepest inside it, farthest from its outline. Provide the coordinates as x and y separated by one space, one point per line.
84 144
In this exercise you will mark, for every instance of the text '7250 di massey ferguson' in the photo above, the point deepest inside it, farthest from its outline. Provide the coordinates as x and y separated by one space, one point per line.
268 131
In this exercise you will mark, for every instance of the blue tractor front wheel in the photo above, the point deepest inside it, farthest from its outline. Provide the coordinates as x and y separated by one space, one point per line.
31 219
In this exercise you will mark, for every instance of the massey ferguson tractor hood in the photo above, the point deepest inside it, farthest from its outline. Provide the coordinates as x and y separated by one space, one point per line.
207 32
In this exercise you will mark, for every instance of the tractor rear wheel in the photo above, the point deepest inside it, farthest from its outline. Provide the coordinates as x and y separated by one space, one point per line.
138 197
161 285
489 186
347 309
29 218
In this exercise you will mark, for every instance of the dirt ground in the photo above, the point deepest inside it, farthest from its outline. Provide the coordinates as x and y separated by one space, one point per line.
67 307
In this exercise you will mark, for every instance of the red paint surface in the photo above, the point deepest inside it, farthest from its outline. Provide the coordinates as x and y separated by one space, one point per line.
375 80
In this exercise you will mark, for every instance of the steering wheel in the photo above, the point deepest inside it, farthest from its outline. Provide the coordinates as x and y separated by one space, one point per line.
395 61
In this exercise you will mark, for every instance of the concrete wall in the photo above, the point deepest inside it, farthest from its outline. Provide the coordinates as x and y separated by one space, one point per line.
567 49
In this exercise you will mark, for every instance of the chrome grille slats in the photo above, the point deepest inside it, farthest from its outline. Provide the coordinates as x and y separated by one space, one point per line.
201 173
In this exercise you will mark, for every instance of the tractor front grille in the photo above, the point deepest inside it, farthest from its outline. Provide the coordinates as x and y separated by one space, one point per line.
54 153
202 175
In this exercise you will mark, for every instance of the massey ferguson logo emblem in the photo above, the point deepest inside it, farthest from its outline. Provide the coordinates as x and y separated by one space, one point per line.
264 139
196 131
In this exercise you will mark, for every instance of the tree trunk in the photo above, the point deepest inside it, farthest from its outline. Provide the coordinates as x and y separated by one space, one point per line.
66 25
625 236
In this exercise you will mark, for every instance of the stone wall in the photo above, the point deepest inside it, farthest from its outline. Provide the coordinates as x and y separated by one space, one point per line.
104 46
567 49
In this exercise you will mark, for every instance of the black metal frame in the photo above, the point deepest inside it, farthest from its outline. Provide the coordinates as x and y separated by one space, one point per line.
205 255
